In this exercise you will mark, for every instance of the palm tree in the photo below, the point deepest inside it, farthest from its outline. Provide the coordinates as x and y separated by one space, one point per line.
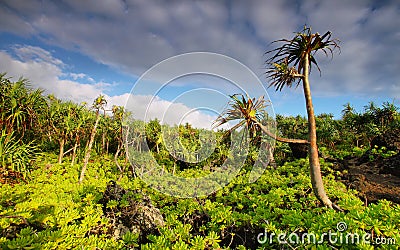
57 122
250 112
327 130
99 103
389 112
348 110
119 113
291 64
77 119
20 107
20 111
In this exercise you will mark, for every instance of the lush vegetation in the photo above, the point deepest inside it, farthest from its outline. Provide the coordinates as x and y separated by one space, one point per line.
67 182
45 144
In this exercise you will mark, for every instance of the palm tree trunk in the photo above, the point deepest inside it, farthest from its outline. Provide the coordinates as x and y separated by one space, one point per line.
89 148
315 169
61 154
74 151
271 157
103 142
116 158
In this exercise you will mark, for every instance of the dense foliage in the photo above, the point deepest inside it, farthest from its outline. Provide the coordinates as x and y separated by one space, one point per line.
46 139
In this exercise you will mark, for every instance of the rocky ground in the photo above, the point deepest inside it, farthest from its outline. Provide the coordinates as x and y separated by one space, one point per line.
375 180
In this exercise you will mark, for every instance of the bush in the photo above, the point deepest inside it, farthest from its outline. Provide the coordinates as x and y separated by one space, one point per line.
15 155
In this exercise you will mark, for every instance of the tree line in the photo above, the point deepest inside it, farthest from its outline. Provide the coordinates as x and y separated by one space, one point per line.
33 123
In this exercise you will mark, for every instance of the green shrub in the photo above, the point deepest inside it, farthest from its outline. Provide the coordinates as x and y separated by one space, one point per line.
16 155
52 211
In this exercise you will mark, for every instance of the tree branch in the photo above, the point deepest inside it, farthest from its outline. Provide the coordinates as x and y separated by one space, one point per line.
278 138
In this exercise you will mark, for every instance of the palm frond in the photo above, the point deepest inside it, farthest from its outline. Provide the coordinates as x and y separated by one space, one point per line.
244 109
286 65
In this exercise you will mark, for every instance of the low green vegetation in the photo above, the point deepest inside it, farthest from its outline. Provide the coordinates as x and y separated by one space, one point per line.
51 211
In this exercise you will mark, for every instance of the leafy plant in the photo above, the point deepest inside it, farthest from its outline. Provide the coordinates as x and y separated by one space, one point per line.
16 155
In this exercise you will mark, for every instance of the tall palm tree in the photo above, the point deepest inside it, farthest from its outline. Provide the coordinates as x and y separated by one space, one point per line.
76 120
99 103
291 64
57 122
119 113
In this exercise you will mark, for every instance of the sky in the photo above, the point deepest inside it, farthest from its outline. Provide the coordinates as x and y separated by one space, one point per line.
77 50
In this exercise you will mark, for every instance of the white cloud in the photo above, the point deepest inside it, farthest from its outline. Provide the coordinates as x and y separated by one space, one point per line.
77 76
37 54
147 107
43 71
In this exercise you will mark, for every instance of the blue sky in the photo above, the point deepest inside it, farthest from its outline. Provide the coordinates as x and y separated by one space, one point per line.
78 49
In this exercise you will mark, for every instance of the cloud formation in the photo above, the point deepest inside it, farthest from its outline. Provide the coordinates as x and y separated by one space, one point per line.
133 35
45 72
